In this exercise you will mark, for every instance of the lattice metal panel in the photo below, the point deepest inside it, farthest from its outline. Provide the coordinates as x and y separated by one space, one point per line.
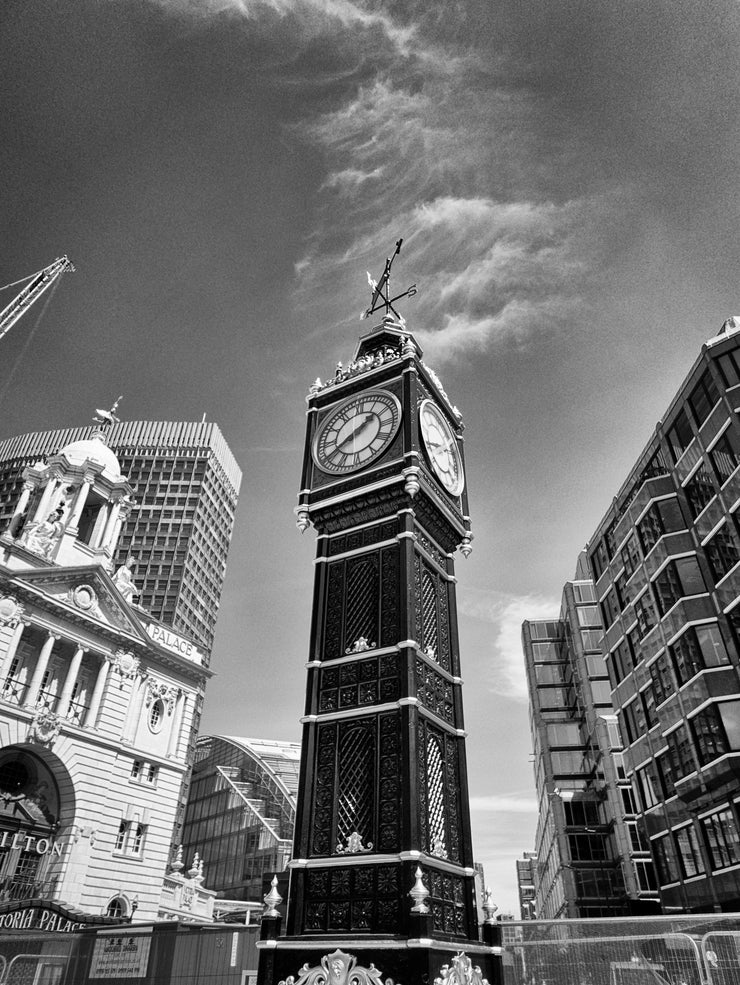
436 795
356 773
361 605
430 633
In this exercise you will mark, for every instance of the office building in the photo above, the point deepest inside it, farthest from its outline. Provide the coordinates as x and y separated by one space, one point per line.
665 563
526 875
186 484
241 812
98 702
589 862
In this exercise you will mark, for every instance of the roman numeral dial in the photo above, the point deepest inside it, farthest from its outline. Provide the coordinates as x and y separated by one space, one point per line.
356 432
441 448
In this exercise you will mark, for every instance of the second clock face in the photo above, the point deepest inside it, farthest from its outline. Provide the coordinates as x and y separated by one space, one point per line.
441 446
357 431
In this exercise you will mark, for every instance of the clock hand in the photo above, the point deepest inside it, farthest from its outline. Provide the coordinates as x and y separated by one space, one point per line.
359 425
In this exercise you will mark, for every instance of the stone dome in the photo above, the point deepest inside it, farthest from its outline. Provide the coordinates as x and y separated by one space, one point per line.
93 449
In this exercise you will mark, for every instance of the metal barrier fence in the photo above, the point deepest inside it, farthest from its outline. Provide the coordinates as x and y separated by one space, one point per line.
685 950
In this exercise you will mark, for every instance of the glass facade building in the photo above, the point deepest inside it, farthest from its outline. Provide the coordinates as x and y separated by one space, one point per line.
665 561
186 484
241 811
586 862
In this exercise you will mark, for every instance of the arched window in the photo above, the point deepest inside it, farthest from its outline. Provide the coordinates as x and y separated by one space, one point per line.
117 907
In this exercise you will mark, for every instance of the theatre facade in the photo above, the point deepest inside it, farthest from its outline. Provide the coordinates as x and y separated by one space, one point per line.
99 702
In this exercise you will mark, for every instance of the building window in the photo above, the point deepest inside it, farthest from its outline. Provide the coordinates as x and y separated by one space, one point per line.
725 455
130 838
121 837
699 490
697 648
645 613
648 706
722 552
723 839
632 720
630 555
156 716
689 852
646 880
636 840
703 398
610 607
136 768
662 678
116 907
680 753
136 839
599 559
648 787
665 775
711 742
680 435
621 660
665 859
729 369
678 579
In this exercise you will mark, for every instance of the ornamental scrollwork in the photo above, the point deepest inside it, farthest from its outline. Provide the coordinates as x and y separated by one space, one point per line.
44 727
354 845
461 972
10 612
159 691
125 663
338 968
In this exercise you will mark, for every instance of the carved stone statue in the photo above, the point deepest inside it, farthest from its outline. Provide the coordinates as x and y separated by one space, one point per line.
41 537
124 581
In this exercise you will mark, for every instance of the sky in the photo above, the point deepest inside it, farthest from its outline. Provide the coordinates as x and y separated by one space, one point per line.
223 174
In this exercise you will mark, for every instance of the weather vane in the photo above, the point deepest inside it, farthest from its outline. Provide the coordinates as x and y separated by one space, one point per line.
382 289
108 417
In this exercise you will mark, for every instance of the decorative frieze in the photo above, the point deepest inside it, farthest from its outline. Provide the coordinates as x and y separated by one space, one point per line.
338 968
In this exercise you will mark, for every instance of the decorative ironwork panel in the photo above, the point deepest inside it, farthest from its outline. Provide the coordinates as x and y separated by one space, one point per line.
431 606
334 611
431 549
375 680
389 611
324 789
361 605
438 792
434 692
389 785
447 901
356 776
363 898
363 538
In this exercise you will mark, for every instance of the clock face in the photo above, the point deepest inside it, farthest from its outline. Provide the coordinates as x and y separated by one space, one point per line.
357 431
441 446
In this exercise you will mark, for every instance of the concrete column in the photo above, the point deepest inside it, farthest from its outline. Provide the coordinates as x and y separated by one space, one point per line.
79 503
177 717
21 506
38 674
92 712
69 683
14 641
137 700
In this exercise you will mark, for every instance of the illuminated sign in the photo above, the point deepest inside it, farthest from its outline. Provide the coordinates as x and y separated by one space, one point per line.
174 643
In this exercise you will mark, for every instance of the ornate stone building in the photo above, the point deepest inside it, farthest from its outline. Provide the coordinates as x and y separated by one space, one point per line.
98 701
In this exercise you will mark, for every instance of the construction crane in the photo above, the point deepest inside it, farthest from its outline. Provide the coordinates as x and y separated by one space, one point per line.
32 292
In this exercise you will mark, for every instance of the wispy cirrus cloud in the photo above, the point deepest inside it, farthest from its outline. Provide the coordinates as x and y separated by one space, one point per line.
516 802
507 613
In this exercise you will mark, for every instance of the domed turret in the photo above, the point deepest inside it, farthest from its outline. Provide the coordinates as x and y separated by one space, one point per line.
96 451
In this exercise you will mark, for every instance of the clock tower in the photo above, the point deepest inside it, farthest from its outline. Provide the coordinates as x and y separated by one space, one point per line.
382 872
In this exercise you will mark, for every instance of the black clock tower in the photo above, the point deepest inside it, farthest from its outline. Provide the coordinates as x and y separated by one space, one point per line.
382 866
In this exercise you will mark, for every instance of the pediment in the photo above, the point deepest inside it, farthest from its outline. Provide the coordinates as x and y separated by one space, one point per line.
87 591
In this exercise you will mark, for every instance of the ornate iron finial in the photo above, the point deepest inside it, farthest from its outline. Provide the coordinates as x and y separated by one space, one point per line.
465 545
381 290
419 893
108 417
302 520
272 900
489 907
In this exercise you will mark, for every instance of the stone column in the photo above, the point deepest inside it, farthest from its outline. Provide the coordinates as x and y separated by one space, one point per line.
96 540
137 700
38 674
106 540
69 683
14 641
42 510
97 697
21 505
79 503
177 719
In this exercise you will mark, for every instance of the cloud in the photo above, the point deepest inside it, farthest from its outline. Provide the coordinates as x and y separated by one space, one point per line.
507 613
506 803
